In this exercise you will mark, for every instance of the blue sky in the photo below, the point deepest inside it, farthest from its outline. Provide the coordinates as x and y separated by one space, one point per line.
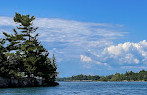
87 36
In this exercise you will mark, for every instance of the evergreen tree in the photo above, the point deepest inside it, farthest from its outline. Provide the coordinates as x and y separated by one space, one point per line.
2 51
54 62
3 59
28 55
54 73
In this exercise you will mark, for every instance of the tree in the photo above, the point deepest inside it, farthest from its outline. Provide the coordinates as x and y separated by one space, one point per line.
25 42
28 55
2 51
20 42
3 59
54 62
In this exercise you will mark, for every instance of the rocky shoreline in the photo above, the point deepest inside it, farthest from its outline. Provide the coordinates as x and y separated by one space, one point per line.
100 81
24 82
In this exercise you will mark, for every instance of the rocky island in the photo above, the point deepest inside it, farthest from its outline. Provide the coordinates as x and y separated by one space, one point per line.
24 62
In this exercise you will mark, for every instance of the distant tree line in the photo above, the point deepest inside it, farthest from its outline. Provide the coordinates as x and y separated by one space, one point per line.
21 54
128 76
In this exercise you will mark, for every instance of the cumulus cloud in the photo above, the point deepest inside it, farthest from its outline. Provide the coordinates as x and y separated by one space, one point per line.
127 53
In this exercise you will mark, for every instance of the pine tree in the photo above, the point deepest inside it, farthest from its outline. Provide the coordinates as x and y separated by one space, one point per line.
23 41
3 59
54 67
28 55
54 62
2 51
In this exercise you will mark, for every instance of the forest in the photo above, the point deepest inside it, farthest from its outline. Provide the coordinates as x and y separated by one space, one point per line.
128 76
23 56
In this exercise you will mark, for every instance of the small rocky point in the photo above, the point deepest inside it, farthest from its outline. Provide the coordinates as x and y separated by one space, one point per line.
24 82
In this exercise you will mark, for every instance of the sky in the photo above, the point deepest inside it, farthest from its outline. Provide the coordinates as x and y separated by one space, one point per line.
96 37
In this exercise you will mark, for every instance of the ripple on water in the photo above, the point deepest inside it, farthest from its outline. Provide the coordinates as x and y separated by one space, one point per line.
82 88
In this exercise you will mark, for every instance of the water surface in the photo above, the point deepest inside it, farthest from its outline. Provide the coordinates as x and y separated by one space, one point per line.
82 88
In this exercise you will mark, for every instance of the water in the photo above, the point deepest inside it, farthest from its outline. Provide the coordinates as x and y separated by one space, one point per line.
82 88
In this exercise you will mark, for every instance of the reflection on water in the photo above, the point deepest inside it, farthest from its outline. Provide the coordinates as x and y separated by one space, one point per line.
82 88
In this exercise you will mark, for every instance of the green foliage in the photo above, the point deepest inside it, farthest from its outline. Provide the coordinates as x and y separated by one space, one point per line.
80 77
3 59
24 54
2 51
128 76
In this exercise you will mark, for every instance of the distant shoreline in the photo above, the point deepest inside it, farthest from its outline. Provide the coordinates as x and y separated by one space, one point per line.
98 81
129 76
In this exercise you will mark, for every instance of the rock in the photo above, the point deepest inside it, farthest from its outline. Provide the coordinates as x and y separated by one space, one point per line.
24 82
4 82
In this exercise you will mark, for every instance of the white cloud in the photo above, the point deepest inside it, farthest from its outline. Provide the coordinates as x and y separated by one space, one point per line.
85 58
100 63
60 30
6 21
134 67
127 52
136 61
54 29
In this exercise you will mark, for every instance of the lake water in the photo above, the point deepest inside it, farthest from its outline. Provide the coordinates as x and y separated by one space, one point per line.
82 88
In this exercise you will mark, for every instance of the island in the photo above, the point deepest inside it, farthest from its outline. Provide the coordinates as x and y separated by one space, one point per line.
129 76
24 62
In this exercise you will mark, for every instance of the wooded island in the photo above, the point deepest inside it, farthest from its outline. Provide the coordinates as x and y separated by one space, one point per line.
23 59
128 76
